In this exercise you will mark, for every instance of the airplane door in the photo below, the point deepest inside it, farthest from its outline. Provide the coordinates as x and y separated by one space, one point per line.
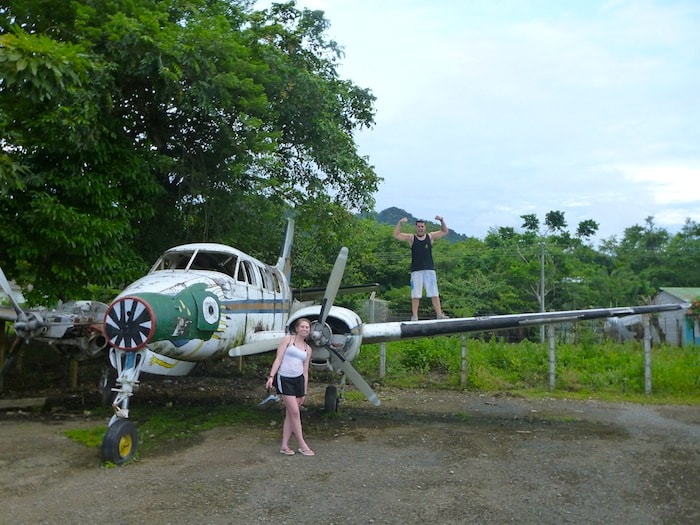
268 298
274 297
258 315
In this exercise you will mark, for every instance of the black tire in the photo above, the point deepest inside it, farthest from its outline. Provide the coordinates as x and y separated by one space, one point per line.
331 400
120 442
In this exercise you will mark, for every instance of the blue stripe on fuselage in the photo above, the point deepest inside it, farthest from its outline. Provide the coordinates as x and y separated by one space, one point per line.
255 306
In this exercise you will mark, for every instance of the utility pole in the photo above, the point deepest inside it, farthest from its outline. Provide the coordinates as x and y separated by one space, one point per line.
542 288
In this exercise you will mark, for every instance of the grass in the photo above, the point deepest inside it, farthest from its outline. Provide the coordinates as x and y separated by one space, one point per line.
167 427
606 371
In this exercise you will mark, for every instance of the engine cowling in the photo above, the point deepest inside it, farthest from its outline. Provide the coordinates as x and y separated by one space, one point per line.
341 334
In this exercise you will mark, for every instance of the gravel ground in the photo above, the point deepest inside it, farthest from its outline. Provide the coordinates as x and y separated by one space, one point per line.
423 456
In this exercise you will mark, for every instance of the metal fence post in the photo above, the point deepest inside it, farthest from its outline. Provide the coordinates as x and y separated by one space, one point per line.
646 321
552 358
465 364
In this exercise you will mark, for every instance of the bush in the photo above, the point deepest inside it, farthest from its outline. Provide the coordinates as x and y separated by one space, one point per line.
494 365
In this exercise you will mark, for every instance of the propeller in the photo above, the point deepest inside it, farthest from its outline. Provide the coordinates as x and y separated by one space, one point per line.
26 322
5 285
321 332
22 318
354 376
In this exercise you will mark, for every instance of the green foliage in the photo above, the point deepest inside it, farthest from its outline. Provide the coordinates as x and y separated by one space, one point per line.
130 127
90 437
165 427
676 370
159 426
608 369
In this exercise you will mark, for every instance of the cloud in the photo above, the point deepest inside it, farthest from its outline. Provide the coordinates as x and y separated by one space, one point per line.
490 110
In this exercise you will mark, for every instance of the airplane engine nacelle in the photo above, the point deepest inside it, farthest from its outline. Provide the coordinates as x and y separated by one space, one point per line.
133 321
341 335
96 343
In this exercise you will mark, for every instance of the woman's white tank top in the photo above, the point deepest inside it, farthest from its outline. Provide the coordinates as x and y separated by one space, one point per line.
292 362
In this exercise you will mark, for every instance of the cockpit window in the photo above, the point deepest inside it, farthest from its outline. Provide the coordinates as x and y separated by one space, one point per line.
173 261
199 260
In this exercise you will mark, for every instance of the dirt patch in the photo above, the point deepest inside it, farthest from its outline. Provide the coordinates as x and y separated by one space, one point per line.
423 456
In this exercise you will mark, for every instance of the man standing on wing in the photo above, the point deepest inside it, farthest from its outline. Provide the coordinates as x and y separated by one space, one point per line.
423 274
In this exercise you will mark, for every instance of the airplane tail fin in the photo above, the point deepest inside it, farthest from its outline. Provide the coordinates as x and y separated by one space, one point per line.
284 263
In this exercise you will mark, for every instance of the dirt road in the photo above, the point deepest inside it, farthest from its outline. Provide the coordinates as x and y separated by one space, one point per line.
422 457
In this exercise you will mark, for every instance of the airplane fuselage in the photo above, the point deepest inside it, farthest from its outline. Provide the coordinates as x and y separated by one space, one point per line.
197 302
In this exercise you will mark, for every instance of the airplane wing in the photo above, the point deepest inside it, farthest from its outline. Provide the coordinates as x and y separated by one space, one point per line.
258 343
394 331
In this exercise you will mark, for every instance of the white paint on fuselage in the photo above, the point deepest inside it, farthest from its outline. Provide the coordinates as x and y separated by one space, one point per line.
255 298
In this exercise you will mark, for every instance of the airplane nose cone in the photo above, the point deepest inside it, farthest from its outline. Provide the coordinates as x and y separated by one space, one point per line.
129 323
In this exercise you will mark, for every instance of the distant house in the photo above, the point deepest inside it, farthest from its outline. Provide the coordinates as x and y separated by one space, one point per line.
677 327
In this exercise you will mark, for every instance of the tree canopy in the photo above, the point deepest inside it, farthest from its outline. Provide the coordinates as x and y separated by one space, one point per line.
131 126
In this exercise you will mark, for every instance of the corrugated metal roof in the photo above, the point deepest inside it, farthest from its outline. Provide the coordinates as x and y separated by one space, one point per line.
684 294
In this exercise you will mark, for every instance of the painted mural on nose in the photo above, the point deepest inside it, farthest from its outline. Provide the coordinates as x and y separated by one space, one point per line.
135 320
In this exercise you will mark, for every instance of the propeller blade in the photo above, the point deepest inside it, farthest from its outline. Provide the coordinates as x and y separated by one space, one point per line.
333 284
355 377
5 285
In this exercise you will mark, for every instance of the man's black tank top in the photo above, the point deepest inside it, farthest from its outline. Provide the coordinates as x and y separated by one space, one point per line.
422 254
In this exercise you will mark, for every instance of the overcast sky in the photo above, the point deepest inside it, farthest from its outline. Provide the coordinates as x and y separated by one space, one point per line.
488 110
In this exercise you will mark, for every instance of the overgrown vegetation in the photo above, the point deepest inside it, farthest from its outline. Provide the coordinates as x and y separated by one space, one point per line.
606 370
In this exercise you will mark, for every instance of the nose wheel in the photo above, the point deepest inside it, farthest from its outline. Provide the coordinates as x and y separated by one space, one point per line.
120 442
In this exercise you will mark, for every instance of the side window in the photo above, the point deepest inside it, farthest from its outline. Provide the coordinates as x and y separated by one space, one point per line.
254 274
246 273
276 283
241 275
268 281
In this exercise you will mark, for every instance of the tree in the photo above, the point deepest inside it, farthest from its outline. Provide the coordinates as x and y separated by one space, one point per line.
128 127
683 258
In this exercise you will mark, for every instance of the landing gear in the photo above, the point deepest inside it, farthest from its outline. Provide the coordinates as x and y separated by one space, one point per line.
120 442
331 400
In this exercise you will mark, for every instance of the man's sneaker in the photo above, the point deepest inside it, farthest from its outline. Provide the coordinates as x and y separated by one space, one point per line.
442 316
414 318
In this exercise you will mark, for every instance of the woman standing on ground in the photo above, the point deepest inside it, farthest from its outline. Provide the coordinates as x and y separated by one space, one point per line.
290 376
